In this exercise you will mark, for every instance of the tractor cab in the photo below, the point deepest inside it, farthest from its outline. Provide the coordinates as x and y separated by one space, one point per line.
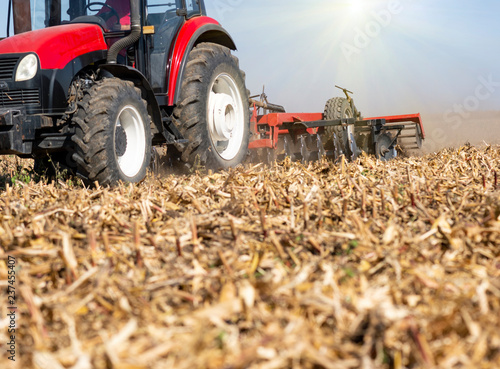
111 15
161 18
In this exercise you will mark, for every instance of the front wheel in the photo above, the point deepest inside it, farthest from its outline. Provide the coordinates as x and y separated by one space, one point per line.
213 113
113 133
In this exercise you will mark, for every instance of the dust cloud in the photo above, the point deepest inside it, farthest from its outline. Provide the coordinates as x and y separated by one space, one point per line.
478 128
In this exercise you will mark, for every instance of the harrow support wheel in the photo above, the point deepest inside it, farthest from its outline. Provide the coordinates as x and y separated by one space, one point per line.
338 138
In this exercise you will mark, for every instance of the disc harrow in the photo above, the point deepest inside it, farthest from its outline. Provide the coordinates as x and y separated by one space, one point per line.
339 131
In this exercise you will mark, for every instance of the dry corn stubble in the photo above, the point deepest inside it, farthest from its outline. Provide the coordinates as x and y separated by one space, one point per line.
368 264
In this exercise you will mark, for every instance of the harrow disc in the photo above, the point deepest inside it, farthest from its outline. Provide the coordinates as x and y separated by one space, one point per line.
304 148
418 136
353 147
384 147
263 155
337 149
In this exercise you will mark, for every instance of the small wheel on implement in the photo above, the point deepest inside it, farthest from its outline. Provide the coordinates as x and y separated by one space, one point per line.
337 138
213 112
113 133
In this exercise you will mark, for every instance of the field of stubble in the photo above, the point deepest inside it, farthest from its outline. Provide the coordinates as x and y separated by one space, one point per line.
359 265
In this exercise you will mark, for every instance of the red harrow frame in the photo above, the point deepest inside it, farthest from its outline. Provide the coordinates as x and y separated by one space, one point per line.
301 136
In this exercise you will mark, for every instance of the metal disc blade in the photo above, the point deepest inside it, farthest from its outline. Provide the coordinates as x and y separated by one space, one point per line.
384 147
304 150
353 147
418 134
337 150
320 146
288 146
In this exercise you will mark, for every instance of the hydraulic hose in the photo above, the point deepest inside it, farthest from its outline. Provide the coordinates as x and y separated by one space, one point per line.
135 26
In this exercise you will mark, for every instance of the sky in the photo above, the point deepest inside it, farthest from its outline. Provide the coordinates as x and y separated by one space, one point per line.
397 56
438 57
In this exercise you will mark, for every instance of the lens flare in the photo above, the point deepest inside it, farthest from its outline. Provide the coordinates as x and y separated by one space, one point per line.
357 7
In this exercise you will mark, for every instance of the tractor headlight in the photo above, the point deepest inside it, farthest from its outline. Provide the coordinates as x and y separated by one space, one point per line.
27 68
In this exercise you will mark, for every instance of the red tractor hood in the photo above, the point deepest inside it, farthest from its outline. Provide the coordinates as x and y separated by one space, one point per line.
56 46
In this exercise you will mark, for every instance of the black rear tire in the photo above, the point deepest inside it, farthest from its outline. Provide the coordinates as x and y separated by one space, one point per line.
213 110
113 133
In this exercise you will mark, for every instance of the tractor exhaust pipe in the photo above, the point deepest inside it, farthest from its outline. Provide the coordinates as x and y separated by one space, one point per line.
135 26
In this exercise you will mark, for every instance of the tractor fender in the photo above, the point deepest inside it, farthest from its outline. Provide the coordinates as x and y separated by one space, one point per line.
140 81
193 32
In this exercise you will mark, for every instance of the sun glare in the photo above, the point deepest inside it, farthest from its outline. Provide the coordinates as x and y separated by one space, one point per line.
357 7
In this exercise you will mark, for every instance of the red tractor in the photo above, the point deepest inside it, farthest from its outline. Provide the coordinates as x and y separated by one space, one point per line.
96 84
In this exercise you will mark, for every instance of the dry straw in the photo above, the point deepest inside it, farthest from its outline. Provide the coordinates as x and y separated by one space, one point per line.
363 265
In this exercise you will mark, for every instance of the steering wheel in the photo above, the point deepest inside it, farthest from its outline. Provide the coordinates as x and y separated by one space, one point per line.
107 15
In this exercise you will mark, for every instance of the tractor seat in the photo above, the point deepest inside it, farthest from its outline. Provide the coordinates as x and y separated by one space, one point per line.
91 19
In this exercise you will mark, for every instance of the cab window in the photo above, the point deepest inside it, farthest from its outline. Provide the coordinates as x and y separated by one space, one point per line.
159 11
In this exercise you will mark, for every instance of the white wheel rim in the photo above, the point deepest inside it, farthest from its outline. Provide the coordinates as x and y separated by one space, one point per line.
226 117
131 159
